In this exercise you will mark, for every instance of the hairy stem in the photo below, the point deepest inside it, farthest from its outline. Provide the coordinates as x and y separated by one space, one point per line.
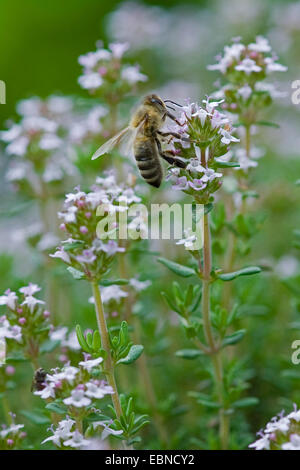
108 364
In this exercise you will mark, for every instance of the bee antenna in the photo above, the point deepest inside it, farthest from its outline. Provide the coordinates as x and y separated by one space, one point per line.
170 107
173 102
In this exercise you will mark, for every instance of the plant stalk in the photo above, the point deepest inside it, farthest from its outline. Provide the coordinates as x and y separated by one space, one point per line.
108 364
215 352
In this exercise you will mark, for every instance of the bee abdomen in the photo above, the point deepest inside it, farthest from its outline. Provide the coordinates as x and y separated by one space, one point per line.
148 164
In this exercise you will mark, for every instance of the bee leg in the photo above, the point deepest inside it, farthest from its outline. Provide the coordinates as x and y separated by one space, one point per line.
173 160
174 119
169 157
173 134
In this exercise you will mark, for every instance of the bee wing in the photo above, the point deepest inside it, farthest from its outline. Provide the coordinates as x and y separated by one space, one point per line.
115 140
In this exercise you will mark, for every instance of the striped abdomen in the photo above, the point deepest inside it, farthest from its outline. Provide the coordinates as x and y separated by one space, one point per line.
147 158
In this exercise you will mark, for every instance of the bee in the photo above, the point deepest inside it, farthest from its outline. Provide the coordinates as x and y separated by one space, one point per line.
38 379
142 138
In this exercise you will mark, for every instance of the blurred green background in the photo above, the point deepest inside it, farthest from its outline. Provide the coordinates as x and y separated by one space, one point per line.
41 41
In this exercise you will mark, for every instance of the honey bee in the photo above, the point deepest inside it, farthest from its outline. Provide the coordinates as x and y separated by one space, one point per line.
142 138
38 379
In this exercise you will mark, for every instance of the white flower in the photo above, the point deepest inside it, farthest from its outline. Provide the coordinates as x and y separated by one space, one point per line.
107 430
281 424
30 289
119 48
9 331
62 433
245 92
77 399
68 373
59 334
91 363
9 299
139 285
87 256
132 74
248 66
210 175
274 66
294 443
90 81
49 142
74 197
271 89
98 391
11 134
77 440
31 302
287 266
47 392
231 53
71 342
62 254
227 137
69 216
188 241
18 146
18 171
294 415
112 293
261 45
261 444
13 429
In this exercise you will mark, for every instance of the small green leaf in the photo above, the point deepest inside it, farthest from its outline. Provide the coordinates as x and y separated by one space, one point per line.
113 282
169 301
72 246
176 268
133 354
233 338
189 353
242 272
96 345
75 273
221 164
81 339
89 339
56 408
268 124
244 402
36 417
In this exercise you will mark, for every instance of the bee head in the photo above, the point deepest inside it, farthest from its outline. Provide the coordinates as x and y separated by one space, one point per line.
155 101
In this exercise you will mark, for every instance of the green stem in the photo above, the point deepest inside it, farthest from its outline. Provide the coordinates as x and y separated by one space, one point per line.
6 410
215 352
108 363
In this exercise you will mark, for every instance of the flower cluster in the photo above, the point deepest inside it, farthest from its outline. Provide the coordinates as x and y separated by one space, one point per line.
76 391
11 436
281 433
245 67
83 251
40 139
207 135
245 91
26 320
105 73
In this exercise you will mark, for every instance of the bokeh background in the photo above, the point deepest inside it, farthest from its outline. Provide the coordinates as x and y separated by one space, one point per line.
173 42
